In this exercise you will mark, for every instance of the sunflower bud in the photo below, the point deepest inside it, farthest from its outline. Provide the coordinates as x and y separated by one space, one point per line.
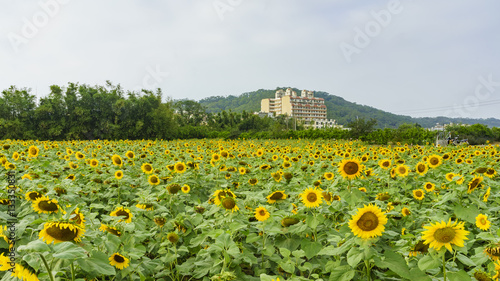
173 237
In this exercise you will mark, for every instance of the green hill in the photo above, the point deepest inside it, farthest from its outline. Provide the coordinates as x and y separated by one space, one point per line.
338 108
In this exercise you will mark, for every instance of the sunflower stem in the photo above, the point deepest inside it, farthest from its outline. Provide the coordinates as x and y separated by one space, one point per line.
444 266
368 270
49 272
72 271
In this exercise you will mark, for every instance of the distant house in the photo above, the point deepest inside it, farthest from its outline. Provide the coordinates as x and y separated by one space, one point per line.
305 108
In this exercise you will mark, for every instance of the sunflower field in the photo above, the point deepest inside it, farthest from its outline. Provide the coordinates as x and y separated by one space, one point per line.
189 210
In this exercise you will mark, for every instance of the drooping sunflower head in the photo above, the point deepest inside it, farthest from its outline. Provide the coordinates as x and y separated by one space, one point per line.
45 205
229 204
122 212
445 234
160 221
288 221
110 229
311 198
77 217
474 183
419 248
119 261
350 168
368 222
173 188
481 276
405 212
56 232
275 196
261 214
145 206
328 196
493 252
383 196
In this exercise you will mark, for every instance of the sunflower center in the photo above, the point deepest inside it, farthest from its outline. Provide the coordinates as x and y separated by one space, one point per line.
368 221
385 164
434 161
119 259
421 168
351 168
327 196
62 234
228 203
474 183
262 212
122 213
418 193
482 221
276 196
312 197
34 195
47 206
444 235
402 170
154 180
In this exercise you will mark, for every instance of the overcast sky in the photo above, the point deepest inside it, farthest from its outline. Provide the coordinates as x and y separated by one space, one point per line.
418 58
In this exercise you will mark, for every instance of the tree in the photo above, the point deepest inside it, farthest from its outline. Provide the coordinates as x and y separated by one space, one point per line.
360 128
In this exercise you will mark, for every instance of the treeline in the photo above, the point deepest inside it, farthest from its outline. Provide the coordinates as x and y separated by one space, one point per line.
108 112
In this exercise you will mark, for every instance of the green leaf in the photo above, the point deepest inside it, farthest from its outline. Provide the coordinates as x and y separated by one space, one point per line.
428 262
288 266
97 263
354 256
459 276
417 275
332 251
312 222
396 263
311 248
468 213
465 260
285 252
342 273
68 250
252 237
34 246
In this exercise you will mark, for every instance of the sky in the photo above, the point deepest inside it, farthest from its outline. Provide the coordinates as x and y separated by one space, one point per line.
418 58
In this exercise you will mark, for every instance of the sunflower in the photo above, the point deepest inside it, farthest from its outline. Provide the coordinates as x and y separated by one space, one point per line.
4 263
119 174
79 155
154 180
117 160
110 229
180 167
421 168
474 183
384 163
253 181
261 214
418 194
130 154
481 276
368 222
429 186
122 212
482 222
328 176
434 161
486 195
119 261
383 196
445 234
493 252
147 168
497 269
402 170
276 176
186 188
350 168
93 163
71 177
312 197
275 196
327 196
419 248
405 212
146 206
229 204
159 221
490 173
288 221
23 273
33 151
450 176
32 196
45 205
56 232
242 170
77 218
